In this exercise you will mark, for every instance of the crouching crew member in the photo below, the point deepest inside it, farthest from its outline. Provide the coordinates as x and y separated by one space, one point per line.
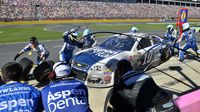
34 45
64 94
16 96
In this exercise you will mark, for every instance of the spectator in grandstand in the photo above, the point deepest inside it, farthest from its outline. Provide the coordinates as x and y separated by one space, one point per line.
135 92
64 93
16 96
34 45
187 41
70 42
88 40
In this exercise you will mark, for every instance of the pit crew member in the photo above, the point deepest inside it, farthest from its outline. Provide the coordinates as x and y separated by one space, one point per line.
187 41
89 40
16 96
64 93
134 29
171 36
34 45
135 92
70 42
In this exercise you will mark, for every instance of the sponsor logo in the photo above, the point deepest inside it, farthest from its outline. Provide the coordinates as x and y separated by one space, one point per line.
8 90
66 99
21 105
104 53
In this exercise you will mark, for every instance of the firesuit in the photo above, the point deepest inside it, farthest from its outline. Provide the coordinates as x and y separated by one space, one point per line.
19 97
70 43
189 41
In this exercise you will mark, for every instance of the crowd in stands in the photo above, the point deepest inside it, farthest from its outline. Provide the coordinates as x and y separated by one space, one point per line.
60 9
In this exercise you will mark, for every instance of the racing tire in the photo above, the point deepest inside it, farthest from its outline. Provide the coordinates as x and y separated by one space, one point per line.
41 72
50 62
165 54
27 65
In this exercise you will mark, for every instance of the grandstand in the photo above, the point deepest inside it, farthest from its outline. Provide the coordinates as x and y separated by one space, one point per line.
95 9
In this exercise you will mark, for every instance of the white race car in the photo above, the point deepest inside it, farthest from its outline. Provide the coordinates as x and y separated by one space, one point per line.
96 66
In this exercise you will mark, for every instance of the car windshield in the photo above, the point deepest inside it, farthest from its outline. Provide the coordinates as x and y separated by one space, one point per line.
122 42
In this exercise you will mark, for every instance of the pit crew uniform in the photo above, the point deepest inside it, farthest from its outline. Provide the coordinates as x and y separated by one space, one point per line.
136 93
189 42
19 97
68 47
65 96
89 40
40 49
171 35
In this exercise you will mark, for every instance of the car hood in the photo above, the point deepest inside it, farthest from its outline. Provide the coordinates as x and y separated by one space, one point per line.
92 56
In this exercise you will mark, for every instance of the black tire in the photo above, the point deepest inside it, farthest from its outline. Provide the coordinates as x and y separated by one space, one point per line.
51 62
27 65
41 72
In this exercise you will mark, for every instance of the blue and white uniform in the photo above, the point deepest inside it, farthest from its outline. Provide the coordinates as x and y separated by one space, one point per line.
171 35
65 96
190 42
19 97
68 47
40 49
89 40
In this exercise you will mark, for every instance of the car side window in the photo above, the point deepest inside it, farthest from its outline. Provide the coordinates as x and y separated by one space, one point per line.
155 39
144 43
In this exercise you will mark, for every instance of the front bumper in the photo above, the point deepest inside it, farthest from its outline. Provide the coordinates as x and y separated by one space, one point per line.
97 79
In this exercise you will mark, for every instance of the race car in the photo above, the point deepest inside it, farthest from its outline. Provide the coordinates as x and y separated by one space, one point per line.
96 66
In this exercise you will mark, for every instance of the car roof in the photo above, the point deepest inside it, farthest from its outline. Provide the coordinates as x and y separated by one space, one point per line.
135 35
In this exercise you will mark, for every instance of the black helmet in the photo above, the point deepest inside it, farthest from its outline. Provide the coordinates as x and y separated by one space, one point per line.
33 40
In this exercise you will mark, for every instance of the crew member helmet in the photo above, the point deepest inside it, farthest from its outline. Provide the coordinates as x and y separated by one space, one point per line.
134 29
33 40
170 27
185 26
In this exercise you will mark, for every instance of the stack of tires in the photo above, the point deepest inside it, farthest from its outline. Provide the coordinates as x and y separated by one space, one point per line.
40 73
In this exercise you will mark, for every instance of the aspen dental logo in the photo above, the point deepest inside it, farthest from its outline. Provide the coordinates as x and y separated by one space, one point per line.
19 105
65 99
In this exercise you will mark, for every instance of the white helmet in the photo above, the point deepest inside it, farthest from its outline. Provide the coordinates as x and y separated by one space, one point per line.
185 26
74 34
134 29
61 69
170 27
86 31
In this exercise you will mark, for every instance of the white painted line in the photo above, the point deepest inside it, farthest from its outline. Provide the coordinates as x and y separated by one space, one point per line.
46 28
27 42
1 31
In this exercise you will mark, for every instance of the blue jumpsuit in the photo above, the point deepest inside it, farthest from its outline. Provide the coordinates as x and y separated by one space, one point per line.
69 45
89 41
65 96
171 37
190 42
19 97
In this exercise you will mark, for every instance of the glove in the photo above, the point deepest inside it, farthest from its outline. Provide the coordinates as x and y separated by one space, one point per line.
16 57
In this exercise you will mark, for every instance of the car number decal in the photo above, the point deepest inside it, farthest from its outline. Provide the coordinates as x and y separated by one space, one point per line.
148 57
